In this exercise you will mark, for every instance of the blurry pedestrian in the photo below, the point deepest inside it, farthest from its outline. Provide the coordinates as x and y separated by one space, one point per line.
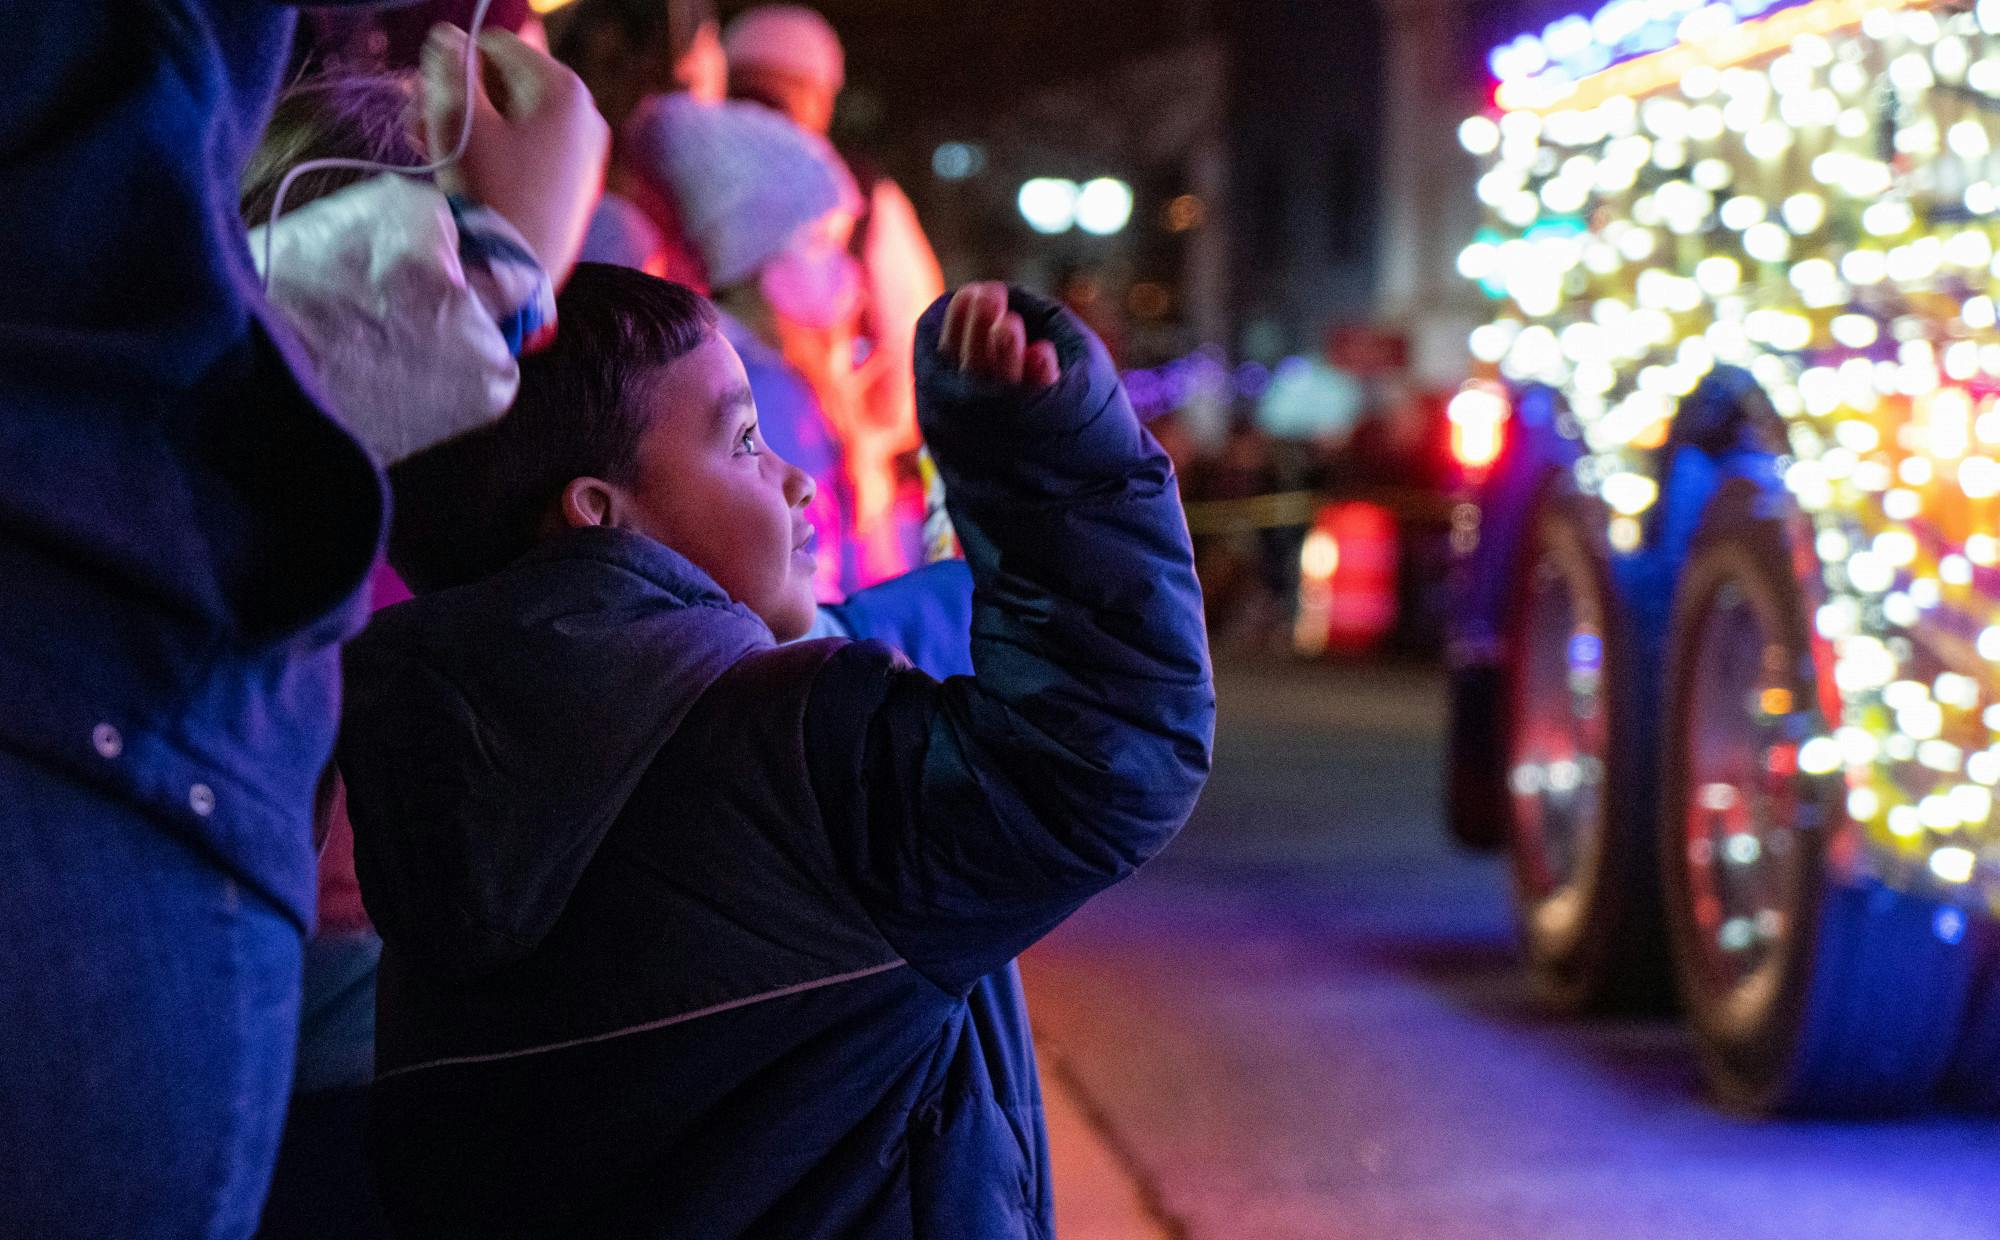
789 58
184 527
760 200
628 51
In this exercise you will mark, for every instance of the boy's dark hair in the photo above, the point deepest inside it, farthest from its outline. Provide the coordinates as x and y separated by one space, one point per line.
469 507
342 115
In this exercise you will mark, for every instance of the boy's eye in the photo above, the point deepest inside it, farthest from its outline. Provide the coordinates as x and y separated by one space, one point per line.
748 440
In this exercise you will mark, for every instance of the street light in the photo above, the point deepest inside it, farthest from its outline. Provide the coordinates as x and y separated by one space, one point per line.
1103 206
1049 204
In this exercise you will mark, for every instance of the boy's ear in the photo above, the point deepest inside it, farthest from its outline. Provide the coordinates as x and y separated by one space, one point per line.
590 501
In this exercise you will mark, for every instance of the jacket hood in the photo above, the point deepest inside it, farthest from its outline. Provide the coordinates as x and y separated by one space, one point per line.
492 734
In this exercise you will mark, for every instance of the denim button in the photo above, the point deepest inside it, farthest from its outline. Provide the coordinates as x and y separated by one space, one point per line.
201 799
107 741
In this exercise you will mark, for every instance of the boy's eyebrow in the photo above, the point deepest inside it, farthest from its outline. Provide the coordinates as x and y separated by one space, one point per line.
732 402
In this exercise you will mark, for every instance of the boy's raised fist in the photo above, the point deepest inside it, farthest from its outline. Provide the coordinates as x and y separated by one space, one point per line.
990 342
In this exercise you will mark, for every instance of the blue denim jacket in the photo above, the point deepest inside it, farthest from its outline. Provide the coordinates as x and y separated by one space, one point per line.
183 529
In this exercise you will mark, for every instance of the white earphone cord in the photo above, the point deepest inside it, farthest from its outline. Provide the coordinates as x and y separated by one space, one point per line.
364 165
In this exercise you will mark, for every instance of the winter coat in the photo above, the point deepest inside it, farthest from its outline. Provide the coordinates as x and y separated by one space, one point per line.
183 528
688 935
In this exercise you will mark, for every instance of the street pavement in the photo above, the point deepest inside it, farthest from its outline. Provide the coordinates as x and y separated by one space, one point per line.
1304 1021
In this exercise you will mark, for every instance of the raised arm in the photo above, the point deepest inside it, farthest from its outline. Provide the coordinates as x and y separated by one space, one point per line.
975 814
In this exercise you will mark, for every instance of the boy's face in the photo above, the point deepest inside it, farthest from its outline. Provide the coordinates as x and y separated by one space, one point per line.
707 486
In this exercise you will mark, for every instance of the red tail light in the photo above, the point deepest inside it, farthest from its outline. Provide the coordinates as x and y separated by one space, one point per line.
1478 416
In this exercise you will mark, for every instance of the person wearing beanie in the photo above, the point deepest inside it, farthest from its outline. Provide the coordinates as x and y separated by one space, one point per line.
789 58
627 51
766 208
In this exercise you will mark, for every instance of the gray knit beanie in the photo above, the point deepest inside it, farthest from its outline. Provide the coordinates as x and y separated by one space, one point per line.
743 178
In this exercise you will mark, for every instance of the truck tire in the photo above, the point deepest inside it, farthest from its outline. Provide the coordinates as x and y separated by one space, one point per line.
1578 777
1805 993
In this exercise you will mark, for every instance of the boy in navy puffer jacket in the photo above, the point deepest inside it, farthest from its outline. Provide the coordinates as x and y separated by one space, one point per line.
690 934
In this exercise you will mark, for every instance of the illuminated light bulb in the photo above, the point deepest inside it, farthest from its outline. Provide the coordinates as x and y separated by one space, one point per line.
1858 746
1983 550
1704 123
1866 178
1768 140
1978 312
1904 821
1477 261
1837 619
1479 135
1900 610
1865 662
1921 28
1961 360
1968 139
1870 573
1521 209
1926 593
1984 767
1864 266
1903 694
1856 435
1954 689
1896 547
1871 476
1920 721
1915 471
1803 213
1982 198
1813 50
1888 219
1989 642
1712 174
1970 248
1935 812
1902 504
1942 756
1972 803
1955 570
1701 81
1863 805
1490 342
1832 544
1717 276
1851 123
1979 477
1664 118
1564 196
1767 243
1951 58
1629 494
1953 865
1626 534
1856 331
1819 756
1742 212
1984 76
1638 244
1848 78
1918 138
1987 13
1911 74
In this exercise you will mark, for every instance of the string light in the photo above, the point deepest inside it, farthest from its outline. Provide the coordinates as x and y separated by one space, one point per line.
1673 185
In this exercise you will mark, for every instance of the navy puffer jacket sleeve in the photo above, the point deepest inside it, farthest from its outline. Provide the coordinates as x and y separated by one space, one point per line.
973 815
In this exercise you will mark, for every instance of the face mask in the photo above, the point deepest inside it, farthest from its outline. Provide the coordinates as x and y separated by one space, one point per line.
813 285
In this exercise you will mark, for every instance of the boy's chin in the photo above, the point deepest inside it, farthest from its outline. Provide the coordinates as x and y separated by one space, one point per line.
793 619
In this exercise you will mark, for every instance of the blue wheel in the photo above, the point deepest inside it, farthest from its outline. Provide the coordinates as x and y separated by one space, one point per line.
1804 993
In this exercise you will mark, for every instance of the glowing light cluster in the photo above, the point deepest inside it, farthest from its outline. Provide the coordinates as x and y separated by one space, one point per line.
1809 191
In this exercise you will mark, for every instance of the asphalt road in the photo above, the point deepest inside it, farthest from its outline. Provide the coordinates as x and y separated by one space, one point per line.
1304 1021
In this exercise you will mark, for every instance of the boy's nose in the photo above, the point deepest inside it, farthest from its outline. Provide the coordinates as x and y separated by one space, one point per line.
799 487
